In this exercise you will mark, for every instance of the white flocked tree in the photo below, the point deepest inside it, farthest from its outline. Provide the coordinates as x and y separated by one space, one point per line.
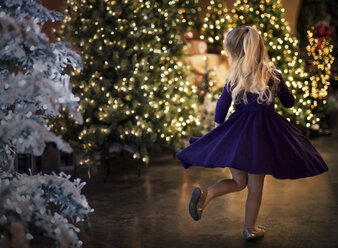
33 88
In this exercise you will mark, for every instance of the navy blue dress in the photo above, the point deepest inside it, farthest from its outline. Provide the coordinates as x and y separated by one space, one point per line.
255 139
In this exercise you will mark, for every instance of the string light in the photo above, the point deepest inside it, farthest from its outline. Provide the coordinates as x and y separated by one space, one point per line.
215 24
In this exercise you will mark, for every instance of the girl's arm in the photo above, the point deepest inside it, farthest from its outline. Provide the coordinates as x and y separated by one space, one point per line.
284 94
222 106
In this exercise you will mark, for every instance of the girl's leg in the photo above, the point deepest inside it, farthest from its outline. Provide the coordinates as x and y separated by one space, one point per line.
238 182
253 202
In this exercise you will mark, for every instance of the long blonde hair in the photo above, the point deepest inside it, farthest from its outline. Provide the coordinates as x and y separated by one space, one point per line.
250 68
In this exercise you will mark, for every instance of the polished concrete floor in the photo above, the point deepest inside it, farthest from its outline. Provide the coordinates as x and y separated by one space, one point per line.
152 210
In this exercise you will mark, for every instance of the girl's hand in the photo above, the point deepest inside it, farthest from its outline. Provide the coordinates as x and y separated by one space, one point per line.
217 124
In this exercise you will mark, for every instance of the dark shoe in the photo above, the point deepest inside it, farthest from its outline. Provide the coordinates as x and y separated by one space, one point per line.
196 203
254 233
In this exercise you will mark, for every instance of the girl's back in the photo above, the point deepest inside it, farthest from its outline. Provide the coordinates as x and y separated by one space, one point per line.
281 91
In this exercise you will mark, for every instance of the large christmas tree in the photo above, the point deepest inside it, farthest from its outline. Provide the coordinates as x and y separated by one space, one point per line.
133 88
268 17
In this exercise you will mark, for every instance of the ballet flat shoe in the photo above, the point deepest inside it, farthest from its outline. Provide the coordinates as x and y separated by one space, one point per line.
253 234
196 203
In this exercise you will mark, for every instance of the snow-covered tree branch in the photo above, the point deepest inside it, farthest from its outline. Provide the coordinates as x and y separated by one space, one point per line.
33 87
26 202
32 84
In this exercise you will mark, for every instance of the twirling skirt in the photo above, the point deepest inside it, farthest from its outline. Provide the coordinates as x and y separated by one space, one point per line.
258 142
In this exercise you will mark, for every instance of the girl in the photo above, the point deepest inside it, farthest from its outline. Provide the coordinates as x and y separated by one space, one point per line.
255 140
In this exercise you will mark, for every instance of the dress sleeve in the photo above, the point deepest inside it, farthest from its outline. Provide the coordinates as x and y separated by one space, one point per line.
223 105
284 94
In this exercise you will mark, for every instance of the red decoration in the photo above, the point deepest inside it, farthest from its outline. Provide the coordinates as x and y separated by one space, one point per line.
323 31
323 27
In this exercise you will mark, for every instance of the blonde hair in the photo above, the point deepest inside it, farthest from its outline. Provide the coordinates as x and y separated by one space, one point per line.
250 68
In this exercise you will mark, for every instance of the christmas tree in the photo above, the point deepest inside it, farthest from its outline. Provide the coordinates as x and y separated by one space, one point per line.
268 18
323 16
215 24
133 88
32 87
320 60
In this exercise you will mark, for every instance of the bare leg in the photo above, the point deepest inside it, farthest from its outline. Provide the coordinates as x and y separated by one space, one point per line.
237 183
253 202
